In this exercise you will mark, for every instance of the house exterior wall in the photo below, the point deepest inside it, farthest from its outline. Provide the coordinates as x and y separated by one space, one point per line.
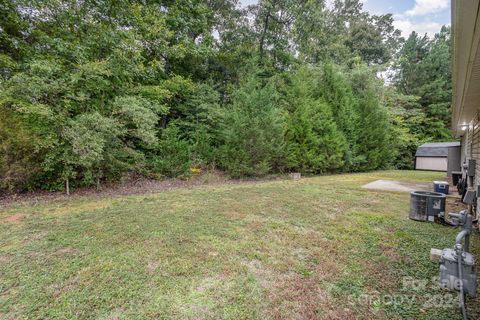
465 80
471 146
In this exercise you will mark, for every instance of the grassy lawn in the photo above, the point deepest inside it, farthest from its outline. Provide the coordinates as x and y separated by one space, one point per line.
320 247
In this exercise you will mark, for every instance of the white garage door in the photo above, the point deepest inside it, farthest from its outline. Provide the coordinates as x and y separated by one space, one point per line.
431 163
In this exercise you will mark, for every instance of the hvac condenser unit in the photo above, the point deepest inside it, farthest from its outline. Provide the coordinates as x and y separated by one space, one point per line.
425 205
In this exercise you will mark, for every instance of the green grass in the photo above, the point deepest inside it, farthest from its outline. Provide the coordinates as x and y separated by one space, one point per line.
320 247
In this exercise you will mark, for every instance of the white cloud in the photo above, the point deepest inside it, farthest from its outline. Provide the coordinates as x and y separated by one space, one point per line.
421 18
424 7
407 26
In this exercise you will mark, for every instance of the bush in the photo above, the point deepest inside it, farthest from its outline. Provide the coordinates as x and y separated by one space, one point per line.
172 154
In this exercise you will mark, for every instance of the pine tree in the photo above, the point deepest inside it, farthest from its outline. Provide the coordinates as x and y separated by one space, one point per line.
335 89
313 142
372 130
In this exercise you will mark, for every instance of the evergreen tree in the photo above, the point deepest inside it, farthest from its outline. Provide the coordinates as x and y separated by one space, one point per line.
335 89
406 122
313 142
372 131
424 71
171 157
252 130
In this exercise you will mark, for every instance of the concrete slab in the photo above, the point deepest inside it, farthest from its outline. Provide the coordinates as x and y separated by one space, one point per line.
399 186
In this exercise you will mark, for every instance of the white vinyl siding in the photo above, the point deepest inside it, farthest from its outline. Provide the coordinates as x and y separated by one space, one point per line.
471 146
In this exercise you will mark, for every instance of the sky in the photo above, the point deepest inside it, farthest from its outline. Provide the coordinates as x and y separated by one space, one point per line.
422 16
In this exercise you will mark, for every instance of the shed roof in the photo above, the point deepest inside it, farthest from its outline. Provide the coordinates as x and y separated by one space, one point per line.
435 149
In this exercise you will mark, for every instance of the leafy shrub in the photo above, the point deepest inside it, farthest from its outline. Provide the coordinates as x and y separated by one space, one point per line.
171 157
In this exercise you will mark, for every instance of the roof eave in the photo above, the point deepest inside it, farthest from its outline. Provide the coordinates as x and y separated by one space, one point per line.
466 63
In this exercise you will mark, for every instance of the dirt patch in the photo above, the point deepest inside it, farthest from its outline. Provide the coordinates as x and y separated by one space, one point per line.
57 289
5 260
90 206
290 295
130 185
390 252
293 296
211 283
61 252
151 267
115 314
64 251
15 218
454 205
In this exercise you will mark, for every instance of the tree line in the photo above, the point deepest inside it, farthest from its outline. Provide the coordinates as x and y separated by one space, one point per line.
91 90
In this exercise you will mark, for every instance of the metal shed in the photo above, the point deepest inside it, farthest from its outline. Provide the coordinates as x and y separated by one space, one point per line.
438 156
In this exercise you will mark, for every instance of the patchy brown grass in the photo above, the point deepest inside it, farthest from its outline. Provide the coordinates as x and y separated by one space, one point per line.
283 249
15 218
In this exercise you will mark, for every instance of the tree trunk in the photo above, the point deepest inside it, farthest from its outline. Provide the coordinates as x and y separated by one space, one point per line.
264 32
163 122
67 186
